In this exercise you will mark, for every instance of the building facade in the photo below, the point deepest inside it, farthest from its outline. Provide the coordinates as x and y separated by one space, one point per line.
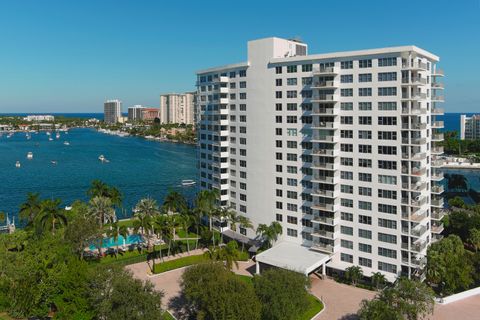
112 111
339 148
469 127
177 108
39 117
150 114
135 113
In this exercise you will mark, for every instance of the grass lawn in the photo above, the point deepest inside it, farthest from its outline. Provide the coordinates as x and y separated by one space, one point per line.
178 263
183 234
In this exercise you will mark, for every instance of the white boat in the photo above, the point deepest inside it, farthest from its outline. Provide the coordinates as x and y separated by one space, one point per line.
57 135
103 159
66 143
54 162
188 182
48 133
50 139
17 164
30 155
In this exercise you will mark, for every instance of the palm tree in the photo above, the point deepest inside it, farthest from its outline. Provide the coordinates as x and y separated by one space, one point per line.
222 214
186 221
270 233
143 224
243 221
30 208
101 189
175 202
101 208
115 232
51 215
147 206
378 280
225 252
353 274
159 227
206 203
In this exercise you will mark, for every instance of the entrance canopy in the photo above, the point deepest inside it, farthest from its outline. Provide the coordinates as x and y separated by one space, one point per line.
294 257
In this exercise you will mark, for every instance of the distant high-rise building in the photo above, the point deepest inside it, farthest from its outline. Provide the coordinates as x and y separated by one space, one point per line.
469 127
150 114
177 108
135 112
112 111
341 149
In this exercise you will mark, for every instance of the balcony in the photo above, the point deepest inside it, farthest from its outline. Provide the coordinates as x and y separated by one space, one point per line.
438 99
325 207
325 111
416 217
323 247
324 84
437 124
437 150
323 165
223 90
223 101
323 193
325 220
438 189
223 79
414 96
325 98
414 111
438 214
420 186
438 203
417 202
438 73
438 163
323 234
437 176
323 179
414 156
437 137
416 65
327 152
324 125
322 138
414 81
325 71
414 126
420 262
418 231
437 228
438 111
416 141
419 247
438 86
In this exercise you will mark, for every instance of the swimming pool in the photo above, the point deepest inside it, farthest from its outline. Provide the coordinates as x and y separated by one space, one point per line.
110 242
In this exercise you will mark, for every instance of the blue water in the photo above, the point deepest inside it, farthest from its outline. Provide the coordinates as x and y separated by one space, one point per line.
65 115
110 242
138 167
452 121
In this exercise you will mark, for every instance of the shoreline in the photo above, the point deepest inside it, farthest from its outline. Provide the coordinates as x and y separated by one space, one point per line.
123 134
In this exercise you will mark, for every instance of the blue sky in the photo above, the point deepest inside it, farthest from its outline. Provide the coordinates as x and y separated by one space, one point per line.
69 56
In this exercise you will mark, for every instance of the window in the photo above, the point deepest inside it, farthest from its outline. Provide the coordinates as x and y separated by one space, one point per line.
346 188
278 82
346 230
365 163
346 203
346 120
365 219
346 147
242 73
292 220
365 148
306 67
243 84
366 177
346 216
346 65
291 69
346 78
364 134
387 179
346 244
385 237
364 106
387 106
365 63
387 194
291 81
387 62
365 77
291 94
387 121
365 247
390 150
365 92
292 232
387 76
346 134
367 234
306 81
387 135
365 121
278 70
365 205
346 161
346 175
386 208
384 252
346 92
387 267
387 165
347 106
346 257
243 95
385 223
278 94
388 91
291 119
365 262
365 191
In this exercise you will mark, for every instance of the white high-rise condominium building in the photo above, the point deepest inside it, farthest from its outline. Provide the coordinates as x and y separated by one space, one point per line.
177 108
340 148
469 127
135 112
112 111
